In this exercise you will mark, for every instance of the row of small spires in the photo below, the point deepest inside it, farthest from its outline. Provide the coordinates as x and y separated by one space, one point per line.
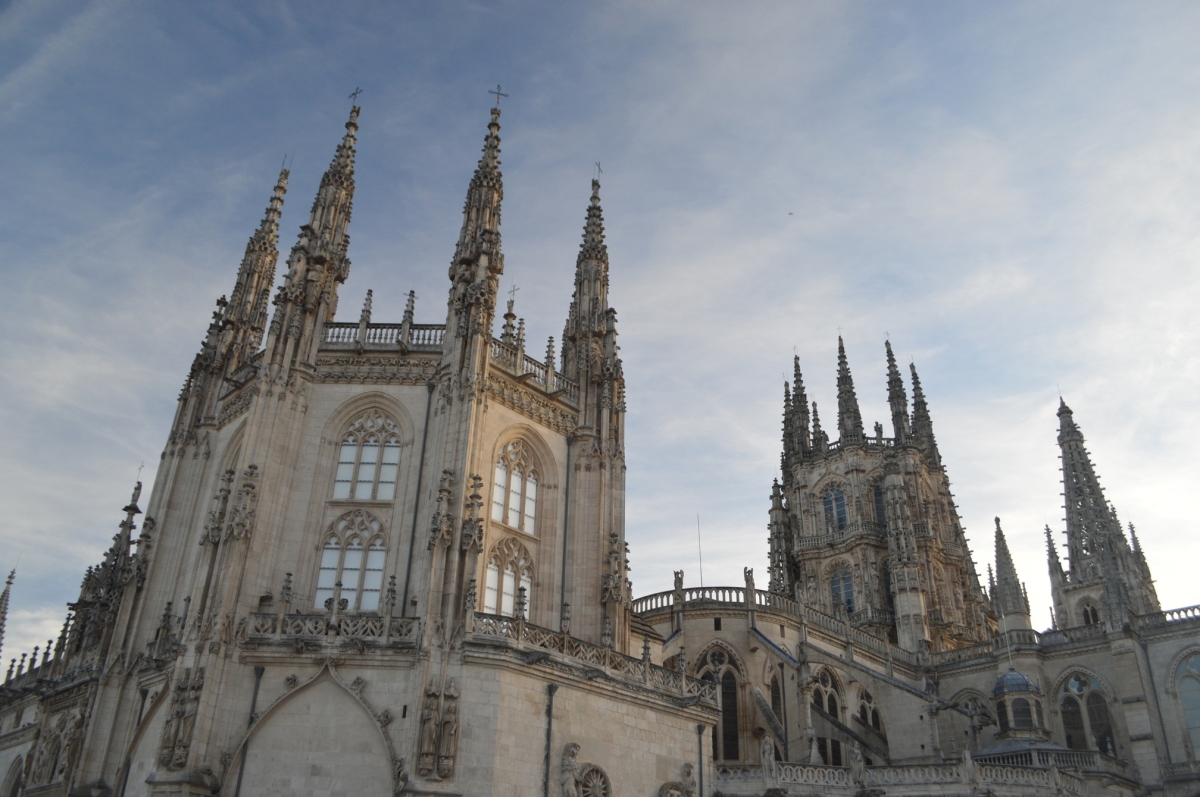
17 669
798 439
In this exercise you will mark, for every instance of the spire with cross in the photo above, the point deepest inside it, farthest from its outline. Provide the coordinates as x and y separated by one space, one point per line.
498 94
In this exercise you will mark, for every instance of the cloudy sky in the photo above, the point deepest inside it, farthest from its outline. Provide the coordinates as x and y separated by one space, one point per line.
1009 190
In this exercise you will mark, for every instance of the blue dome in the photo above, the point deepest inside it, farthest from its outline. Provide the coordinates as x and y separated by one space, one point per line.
1013 681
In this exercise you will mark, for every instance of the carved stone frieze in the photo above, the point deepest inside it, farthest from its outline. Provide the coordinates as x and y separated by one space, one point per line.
544 411
392 370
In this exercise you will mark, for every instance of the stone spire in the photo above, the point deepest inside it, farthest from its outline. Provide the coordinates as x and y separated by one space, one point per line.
800 424
479 238
4 604
781 580
247 311
1008 597
317 265
897 398
589 316
850 425
789 440
820 440
922 427
1096 546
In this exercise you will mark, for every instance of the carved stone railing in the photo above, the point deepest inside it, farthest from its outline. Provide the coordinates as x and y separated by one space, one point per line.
612 662
981 651
516 362
734 598
1154 620
900 780
369 627
1083 760
417 337
848 532
1184 770
872 616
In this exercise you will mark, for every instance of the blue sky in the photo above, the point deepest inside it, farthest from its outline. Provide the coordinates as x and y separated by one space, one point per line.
1010 191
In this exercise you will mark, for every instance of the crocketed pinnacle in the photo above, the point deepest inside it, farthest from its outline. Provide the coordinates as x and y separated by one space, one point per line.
593 247
1052 554
800 406
850 425
4 596
334 202
1007 595
480 234
922 425
897 398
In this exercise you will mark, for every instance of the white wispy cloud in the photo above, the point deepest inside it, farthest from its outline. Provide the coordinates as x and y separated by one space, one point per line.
1009 192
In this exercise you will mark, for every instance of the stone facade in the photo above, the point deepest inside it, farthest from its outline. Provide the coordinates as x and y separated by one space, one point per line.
389 558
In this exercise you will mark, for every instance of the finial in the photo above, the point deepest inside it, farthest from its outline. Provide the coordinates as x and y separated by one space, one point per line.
549 357
354 96
498 94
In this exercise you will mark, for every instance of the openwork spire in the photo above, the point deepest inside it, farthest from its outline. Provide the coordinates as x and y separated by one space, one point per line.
1096 545
593 247
897 398
1008 597
850 425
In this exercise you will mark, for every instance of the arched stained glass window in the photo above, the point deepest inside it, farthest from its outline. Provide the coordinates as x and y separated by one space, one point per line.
1072 718
368 460
729 719
515 489
835 510
354 554
842 586
1022 714
509 569
1099 722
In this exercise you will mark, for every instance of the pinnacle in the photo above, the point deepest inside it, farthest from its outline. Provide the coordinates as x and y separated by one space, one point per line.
593 246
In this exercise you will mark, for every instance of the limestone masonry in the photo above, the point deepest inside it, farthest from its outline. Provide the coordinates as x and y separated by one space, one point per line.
390 558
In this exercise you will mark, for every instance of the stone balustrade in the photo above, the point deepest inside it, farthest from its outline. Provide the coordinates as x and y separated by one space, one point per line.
610 661
264 627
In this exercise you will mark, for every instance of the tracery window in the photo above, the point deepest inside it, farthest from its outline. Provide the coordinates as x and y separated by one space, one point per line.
514 489
1187 678
1082 692
509 569
880 512
842 588
826 698
720 668
835 510
1090 614
368 460
868 714
354 554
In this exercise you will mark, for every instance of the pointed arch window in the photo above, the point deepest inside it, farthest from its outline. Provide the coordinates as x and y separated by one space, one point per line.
515 489
509 570
842 588
880 512
1089 613
354 555
1187 680
720 667
835 510
368 460
1083 695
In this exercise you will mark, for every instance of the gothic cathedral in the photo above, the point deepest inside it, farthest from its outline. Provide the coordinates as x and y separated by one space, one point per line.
390 558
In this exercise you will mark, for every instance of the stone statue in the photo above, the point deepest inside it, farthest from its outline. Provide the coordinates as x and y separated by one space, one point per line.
569 778
448 746
766 750
748 574
429 733
858 767
684 787
679 585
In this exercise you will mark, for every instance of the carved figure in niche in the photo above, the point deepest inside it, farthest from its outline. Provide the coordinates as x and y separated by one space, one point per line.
570 776
72 741
684 787
448 746
429 733
166 750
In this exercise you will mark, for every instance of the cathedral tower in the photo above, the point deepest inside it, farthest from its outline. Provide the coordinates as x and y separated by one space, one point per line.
865 526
